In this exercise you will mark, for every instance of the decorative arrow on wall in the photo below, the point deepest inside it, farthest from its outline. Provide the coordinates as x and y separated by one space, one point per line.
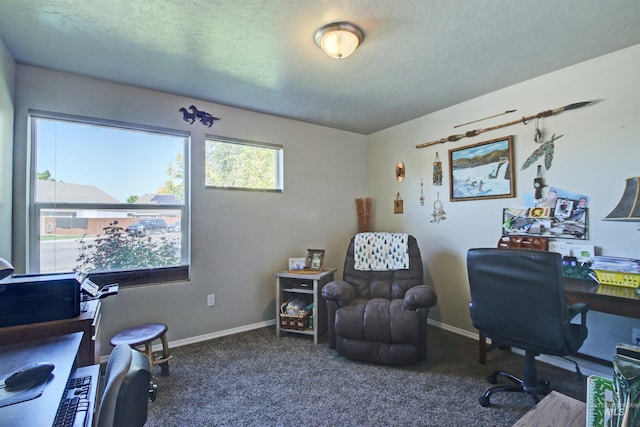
523 120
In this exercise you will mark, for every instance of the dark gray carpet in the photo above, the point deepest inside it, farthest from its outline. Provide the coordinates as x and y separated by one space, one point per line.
255 379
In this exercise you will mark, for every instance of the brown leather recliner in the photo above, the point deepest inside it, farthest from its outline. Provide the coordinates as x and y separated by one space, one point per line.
380 316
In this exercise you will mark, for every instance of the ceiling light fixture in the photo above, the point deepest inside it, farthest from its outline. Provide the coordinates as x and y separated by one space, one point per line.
339 39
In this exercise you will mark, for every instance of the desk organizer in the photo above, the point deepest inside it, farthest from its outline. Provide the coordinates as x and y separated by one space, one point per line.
616 278
576 272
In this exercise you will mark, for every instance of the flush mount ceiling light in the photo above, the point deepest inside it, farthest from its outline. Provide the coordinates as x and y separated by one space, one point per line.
339 39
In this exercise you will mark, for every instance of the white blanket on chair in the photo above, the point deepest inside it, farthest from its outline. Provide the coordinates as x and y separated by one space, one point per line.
381 251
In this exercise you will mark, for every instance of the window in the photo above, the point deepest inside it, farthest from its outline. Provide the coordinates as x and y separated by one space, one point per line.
109 199
243 165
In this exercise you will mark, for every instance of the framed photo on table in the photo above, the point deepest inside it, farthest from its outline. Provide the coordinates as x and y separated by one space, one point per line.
296 264
315 259
482 171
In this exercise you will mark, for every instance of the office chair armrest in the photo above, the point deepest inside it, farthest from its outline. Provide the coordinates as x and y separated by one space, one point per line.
579 308
421 296
339 291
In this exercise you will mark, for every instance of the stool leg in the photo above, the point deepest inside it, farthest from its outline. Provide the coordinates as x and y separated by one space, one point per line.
165 355
148 351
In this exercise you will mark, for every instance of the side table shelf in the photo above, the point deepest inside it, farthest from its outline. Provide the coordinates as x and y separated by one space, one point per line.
307 286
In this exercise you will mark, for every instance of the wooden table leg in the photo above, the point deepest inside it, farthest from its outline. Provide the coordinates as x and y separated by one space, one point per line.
483 348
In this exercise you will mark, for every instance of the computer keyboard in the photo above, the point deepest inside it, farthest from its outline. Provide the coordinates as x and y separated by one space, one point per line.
74 405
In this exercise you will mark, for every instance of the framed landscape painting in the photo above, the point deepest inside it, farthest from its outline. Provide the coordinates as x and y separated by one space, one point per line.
482 171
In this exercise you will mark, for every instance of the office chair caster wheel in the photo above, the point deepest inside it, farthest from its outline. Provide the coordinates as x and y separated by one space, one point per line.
544 385
492 379
484 401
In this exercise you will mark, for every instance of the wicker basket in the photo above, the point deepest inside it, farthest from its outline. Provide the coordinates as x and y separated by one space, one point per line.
293 321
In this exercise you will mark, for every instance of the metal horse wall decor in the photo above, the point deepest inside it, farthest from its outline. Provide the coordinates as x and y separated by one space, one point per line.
202 116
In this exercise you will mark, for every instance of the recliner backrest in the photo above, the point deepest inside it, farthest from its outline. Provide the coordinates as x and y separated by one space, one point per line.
384 284
517 297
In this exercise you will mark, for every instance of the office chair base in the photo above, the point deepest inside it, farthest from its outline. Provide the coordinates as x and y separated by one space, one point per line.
543 387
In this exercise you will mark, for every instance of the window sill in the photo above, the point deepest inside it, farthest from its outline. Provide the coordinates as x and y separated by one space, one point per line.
146 276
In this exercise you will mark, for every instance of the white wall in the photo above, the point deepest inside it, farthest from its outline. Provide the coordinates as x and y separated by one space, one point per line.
7 77
239 238
599 150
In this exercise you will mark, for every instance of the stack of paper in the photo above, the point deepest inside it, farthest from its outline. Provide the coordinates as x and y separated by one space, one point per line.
609 263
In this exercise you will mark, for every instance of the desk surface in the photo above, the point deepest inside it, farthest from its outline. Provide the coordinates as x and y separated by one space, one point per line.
41 411
605 298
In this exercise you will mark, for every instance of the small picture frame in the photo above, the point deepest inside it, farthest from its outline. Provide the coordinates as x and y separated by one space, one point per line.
315 259
296 264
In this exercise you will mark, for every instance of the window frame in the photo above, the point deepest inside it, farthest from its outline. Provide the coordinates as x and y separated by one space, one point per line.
279 163
132 277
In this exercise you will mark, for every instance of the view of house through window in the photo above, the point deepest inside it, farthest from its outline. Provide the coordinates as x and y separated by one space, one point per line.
105 197
243 165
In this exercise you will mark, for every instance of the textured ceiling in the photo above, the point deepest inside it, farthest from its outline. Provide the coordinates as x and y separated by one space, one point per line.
418 56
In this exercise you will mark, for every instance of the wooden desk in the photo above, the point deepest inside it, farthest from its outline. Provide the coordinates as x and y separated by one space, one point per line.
88 322
41 411
604 298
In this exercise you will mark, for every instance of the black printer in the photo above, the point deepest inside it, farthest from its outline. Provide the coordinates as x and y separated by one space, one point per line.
39 298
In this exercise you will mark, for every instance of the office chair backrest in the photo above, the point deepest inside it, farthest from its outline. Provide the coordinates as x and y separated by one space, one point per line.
125 398
390 284
517 297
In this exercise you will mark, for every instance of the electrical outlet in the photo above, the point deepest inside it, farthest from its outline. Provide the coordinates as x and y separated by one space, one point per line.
635 336
211 300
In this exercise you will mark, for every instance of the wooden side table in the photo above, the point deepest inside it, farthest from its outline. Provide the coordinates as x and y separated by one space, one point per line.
88 322
307 286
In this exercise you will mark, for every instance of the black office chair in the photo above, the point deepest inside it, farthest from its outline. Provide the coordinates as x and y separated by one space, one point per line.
517 299
128 389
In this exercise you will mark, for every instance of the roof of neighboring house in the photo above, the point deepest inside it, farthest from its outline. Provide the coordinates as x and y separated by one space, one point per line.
55 191
158 199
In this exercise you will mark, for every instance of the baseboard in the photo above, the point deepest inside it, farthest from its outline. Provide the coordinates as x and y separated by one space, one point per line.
472 335
586 366
206 337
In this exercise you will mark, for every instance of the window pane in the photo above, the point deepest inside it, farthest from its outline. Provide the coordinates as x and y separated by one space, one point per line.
107 198
101 164
79 239
234 164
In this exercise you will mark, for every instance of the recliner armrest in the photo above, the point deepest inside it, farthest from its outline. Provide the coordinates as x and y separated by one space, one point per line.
579 308
339 291
421 296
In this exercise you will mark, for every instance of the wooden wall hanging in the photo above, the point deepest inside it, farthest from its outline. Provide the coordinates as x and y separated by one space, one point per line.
400 171
437 171
398 205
